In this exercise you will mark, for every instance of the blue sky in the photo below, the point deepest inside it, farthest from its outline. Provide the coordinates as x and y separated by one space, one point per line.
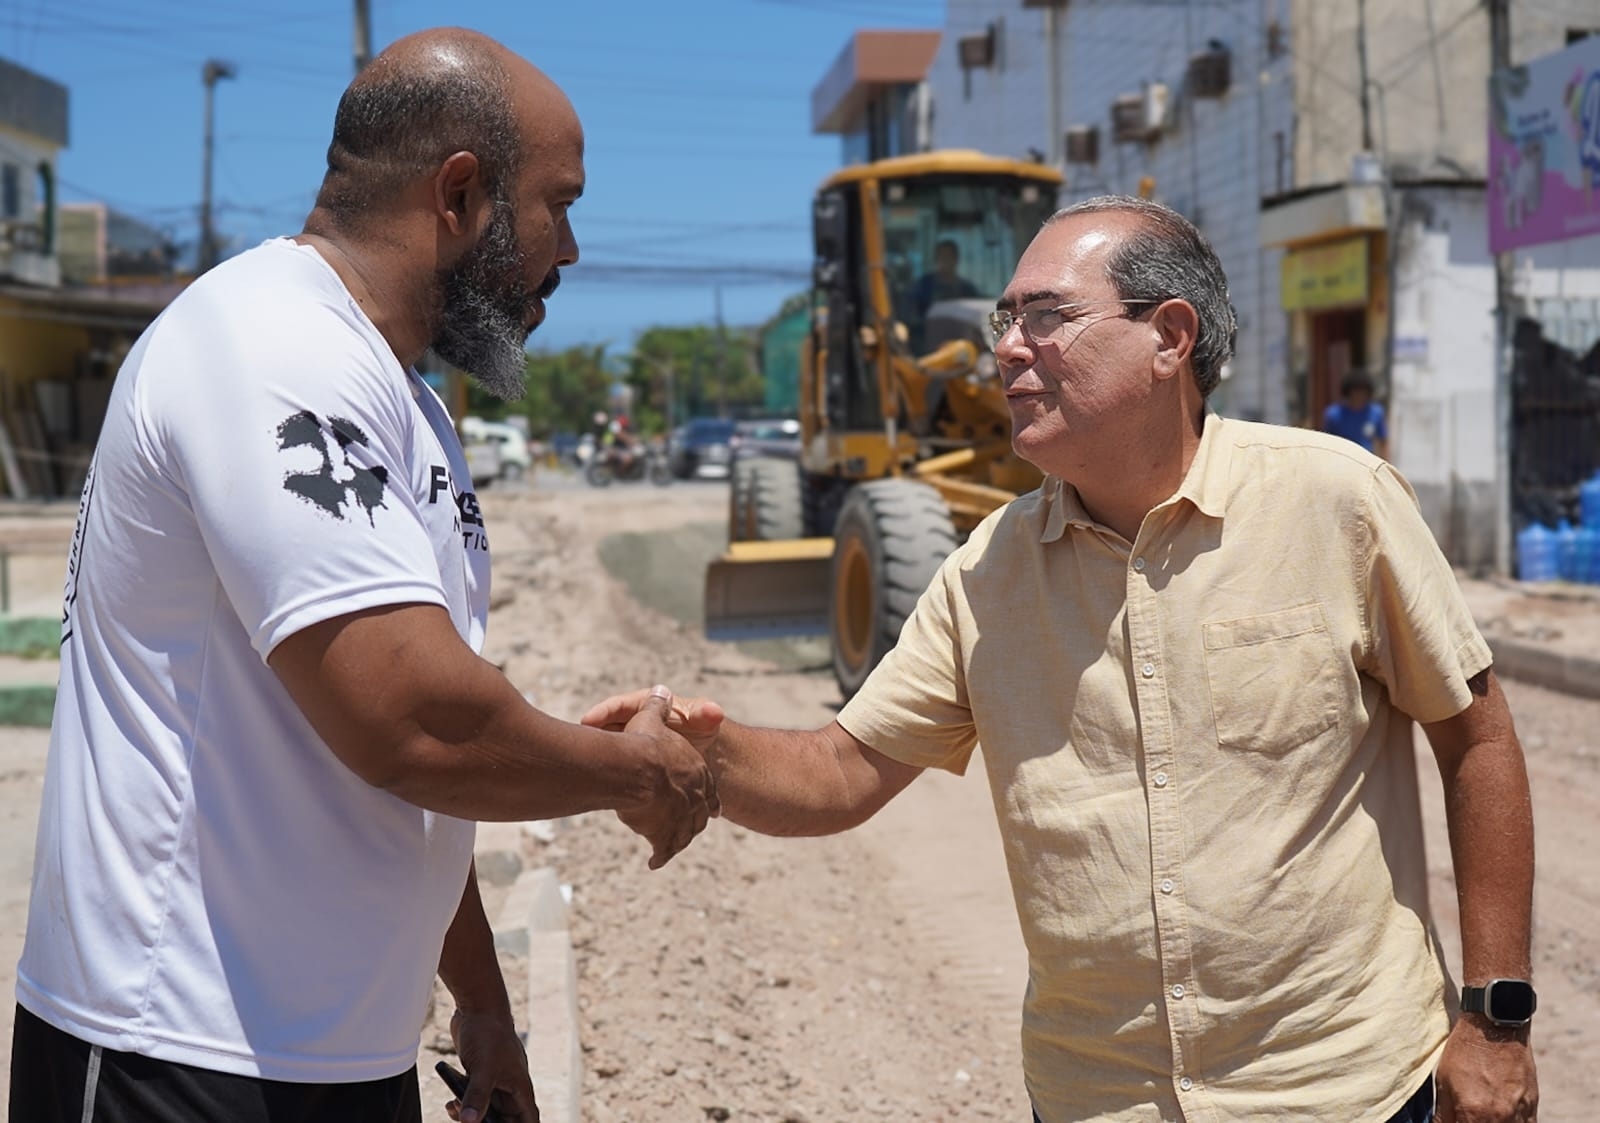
697 114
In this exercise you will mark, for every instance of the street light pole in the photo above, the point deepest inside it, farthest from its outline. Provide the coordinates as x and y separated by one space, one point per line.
1504 327
213 70
363 34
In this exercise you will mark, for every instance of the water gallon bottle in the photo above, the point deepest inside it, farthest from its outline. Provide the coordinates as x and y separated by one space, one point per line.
1586 554
1536 555
1589 501
1566 541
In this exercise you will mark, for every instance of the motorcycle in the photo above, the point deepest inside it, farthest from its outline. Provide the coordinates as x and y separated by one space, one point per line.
648 463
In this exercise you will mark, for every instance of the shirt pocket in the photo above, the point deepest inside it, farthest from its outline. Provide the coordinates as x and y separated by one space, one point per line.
1273 679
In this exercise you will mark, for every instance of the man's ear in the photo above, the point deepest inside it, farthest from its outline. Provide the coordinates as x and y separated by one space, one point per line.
458 194
1177 327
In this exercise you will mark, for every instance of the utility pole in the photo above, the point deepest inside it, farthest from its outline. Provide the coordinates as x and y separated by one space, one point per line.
213 70
1504 324
363 34
722 358
1052 46
1361 61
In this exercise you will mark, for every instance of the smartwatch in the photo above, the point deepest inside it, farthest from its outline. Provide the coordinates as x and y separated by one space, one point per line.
1505 1002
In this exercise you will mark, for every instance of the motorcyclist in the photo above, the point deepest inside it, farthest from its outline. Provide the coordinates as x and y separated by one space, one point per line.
622 447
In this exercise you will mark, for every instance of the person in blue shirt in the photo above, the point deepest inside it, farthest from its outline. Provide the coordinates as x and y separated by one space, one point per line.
1356 417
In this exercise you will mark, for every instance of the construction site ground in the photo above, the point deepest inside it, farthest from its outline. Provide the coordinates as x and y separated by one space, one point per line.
875 975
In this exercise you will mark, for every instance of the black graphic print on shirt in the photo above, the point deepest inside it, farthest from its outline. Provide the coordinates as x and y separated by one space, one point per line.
340 483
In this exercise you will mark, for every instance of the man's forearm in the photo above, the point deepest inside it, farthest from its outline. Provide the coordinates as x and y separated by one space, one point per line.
1489 810
498 758
467 963
800 782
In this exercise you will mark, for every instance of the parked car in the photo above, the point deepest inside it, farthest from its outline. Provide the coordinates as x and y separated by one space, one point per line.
515 458
766 436
483 459
701 448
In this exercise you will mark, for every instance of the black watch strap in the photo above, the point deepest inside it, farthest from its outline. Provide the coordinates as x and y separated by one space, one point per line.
1505 1002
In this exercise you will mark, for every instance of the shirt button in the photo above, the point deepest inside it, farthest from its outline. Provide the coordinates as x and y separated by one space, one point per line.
1138 564
1177 991
1161 779
1148 670
1166 885
1186 1083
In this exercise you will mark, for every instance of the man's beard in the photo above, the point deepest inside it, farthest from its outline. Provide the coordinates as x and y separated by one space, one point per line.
483 319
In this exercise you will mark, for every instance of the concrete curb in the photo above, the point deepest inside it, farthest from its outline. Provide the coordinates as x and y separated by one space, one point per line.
532 924
554 1054
1540 666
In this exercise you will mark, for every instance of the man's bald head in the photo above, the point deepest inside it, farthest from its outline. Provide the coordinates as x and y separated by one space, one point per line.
423 99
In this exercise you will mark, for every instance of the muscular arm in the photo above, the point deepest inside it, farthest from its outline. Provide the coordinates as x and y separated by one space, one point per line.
411 709
1487 1072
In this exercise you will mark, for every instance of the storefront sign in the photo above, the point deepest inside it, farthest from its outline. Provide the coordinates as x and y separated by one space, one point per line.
1331 275
1544 149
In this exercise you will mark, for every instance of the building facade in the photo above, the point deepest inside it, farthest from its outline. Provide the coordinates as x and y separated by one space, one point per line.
60 343
1337 165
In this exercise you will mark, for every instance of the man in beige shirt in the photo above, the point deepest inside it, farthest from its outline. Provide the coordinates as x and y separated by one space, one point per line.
1193 660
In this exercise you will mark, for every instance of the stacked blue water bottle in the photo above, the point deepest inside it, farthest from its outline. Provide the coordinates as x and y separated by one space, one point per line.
1570 553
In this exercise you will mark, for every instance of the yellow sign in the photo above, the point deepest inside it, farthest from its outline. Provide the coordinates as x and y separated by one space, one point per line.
1325 276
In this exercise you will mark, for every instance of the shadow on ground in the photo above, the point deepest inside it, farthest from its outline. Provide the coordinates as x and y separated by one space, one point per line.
666 571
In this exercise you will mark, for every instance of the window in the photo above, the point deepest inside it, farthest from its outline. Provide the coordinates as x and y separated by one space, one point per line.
10 191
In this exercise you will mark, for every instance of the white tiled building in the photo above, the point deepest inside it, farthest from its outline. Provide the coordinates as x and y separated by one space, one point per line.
1301 188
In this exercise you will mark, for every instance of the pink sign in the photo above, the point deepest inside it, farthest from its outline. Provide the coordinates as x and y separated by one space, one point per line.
1544 149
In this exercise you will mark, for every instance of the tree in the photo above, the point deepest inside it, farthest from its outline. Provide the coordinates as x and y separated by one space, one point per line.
565 388
684 372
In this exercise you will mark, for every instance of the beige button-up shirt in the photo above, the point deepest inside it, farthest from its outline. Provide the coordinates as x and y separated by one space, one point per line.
1200 747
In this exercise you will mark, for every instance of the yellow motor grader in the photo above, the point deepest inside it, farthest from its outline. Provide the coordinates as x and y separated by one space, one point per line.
905 432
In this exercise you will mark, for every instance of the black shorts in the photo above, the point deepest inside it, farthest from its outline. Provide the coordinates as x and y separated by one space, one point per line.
56 1078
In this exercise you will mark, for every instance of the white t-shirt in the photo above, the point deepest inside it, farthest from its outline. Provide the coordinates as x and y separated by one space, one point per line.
212 886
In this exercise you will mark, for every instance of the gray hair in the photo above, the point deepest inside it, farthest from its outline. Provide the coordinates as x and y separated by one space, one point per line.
396 123
1167 258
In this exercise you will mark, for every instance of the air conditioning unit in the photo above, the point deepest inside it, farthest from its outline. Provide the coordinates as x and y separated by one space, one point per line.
977 50
1141 116
1210 72
1083 144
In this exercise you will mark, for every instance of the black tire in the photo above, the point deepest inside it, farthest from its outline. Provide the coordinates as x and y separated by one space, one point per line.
890 540
774 501
741 486
598 473
659 473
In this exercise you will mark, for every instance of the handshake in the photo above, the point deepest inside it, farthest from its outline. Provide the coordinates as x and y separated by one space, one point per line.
680 787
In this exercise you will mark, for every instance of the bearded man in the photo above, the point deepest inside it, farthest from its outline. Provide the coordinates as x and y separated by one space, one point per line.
273 730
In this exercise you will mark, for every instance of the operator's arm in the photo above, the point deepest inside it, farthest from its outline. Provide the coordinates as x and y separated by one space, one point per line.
410 708
1487 1072
779 781
483 1026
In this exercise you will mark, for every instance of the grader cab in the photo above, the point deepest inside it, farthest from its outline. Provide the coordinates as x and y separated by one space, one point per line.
905 432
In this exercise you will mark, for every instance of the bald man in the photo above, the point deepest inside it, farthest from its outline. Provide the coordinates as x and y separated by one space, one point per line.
273 731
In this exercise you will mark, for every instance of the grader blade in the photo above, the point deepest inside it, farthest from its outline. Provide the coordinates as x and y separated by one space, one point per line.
759 590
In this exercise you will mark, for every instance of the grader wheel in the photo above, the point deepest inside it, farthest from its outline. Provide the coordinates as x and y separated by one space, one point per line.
891 537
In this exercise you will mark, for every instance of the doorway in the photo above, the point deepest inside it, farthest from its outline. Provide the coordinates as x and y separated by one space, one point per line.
1338 346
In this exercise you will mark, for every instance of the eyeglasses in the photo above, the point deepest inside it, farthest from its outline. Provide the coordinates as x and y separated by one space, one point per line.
1045 320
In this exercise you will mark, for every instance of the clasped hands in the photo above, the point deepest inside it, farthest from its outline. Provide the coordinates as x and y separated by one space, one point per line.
683 795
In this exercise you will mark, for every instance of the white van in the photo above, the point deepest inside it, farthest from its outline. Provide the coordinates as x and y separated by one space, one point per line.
509 441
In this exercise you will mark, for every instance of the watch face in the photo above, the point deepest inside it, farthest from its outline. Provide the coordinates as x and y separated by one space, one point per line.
1509 1000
